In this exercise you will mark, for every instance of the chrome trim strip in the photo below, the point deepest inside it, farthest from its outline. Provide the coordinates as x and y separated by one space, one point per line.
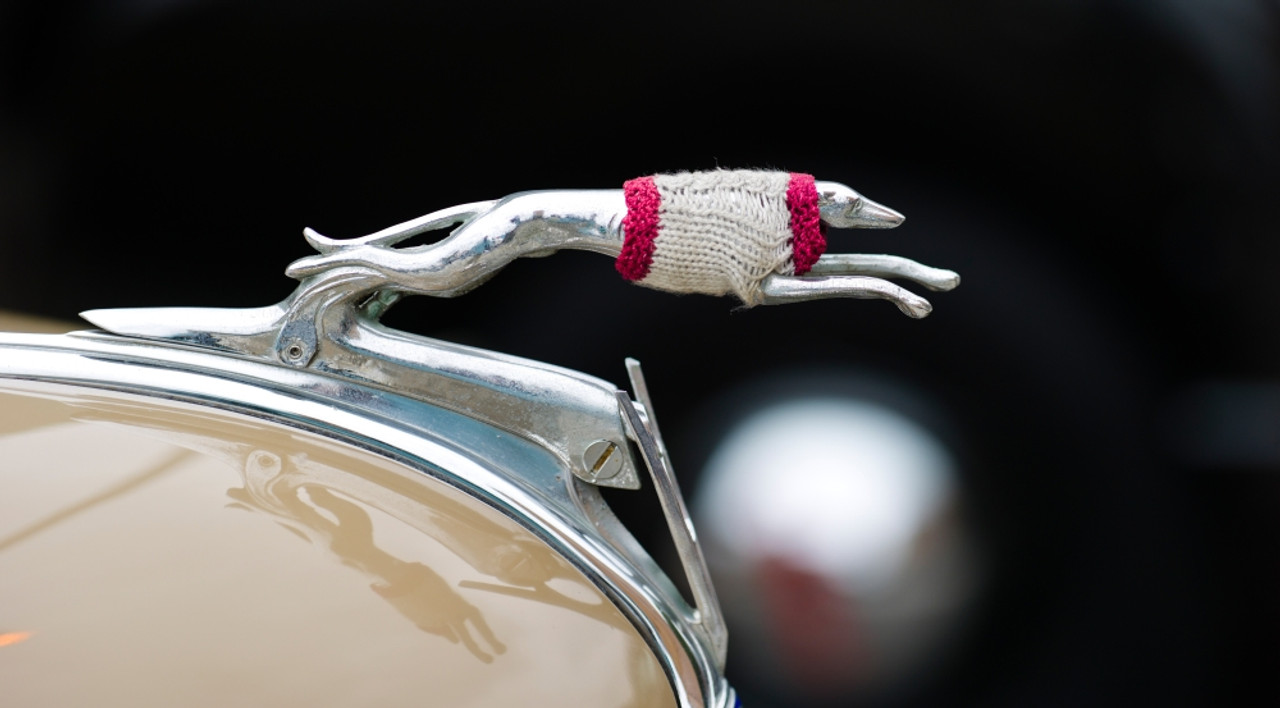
644 430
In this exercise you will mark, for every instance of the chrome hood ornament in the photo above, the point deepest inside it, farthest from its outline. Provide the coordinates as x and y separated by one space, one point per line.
760 236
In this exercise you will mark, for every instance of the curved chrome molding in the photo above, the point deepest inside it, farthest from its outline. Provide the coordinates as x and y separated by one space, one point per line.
521 478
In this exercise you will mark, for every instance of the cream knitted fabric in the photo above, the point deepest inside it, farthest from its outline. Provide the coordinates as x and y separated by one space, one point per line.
721 232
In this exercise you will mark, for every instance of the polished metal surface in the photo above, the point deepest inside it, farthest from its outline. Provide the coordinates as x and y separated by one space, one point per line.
861 276
521 479
844 208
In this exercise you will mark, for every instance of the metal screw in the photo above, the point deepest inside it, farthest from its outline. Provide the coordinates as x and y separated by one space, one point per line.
294 351
602 460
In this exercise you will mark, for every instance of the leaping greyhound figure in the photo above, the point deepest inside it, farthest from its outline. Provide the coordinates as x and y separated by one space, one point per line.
758 235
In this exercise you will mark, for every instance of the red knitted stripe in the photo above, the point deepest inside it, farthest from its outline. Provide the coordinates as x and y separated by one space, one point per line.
808 238
639 227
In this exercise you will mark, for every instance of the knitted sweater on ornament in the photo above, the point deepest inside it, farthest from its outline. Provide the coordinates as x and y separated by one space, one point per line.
720 232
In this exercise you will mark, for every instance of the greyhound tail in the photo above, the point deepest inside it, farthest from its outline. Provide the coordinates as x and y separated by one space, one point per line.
322 243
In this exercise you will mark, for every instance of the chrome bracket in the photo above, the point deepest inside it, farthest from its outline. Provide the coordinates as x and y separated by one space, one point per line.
642 427
327 329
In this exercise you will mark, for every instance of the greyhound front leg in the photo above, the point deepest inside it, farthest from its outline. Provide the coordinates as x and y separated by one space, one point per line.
885 266
780 289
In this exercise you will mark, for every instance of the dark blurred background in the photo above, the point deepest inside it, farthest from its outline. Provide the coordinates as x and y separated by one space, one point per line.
1104 174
